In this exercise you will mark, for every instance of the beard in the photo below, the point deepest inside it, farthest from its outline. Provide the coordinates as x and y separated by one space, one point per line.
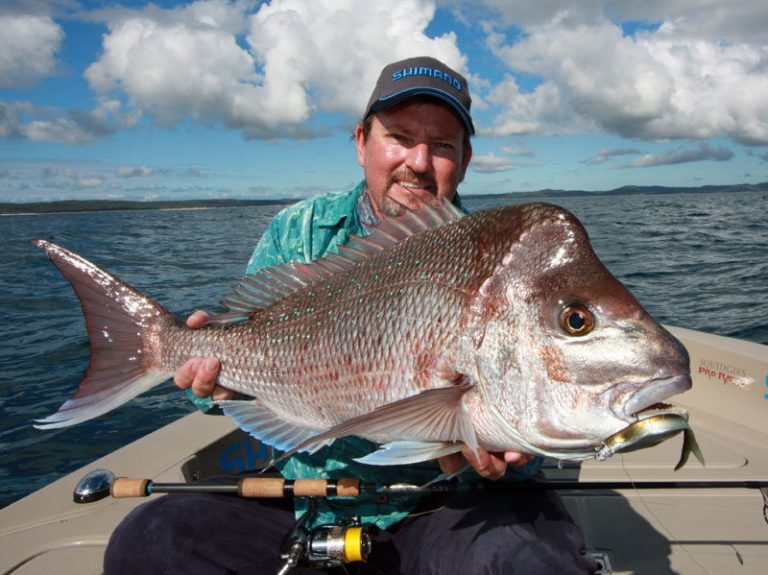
390 207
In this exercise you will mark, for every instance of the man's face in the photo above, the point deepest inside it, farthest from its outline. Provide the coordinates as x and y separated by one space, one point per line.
414 153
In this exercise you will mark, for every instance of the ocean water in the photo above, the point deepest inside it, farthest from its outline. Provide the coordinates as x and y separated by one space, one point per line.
698 261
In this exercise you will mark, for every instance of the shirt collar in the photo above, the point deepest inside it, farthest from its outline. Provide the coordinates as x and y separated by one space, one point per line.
365 210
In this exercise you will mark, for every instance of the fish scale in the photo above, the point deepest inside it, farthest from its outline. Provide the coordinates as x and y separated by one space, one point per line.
412 306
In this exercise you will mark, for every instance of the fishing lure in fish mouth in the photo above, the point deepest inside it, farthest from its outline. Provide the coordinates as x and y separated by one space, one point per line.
651 431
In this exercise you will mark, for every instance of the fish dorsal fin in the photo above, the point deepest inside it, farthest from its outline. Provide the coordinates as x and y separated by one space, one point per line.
262 289
267 286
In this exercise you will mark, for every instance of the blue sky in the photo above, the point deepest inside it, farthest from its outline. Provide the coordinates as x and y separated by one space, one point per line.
248 99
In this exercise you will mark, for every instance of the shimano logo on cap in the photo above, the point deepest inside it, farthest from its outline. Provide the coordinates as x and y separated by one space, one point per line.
425 71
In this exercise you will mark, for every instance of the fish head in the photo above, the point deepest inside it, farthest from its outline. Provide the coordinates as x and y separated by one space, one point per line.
578 358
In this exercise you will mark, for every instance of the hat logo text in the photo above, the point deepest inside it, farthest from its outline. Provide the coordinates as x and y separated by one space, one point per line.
425 71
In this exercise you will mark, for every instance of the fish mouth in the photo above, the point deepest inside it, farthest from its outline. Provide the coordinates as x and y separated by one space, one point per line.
650 419
660 409
648 399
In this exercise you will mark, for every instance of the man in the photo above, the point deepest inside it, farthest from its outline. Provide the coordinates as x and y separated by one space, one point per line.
414 146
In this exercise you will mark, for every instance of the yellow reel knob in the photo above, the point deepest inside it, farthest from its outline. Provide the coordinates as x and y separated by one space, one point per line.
357 544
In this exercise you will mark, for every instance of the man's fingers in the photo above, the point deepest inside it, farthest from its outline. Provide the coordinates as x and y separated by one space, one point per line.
450 464
198 319
516 458
185 375
491 465
487 464
200 374
222 393
205 377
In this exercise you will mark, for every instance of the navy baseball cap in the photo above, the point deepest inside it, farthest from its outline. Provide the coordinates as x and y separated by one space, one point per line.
422 76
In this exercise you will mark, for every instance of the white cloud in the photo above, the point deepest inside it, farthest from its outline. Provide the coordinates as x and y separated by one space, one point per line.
338 47
693 69
606 154
28 47
716 20
520 151
712 20
491 163
9 120
69 179
682 156
525 13
134 171
665 83
194 173
298 58
539 112
93 182
71 127
175 63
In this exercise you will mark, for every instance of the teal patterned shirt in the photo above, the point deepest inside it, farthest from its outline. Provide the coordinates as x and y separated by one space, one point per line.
306 231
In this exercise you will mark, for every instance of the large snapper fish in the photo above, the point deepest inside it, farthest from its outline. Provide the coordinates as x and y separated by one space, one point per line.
501 329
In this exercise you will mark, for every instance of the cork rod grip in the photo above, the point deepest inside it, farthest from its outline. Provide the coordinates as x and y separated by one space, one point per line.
348 487
127 487
279 487
262 487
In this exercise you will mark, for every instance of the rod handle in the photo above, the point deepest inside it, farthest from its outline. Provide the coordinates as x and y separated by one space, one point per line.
348 487
273 487
126 487
261 487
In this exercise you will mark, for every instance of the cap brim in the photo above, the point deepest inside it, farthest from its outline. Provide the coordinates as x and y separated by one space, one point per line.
398 97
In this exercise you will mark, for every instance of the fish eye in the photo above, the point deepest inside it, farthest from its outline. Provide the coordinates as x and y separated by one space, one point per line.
576 319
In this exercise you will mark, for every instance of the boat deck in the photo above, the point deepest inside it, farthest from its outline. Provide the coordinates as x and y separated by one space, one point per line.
672 531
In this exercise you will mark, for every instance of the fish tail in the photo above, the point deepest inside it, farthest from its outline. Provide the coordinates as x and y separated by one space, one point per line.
124 327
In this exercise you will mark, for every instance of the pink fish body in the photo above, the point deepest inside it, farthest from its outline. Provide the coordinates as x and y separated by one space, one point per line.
500 329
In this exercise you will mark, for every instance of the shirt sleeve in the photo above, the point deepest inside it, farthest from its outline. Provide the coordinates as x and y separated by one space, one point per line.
267 252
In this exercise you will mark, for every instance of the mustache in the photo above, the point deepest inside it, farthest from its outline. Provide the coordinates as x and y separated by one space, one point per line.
407 175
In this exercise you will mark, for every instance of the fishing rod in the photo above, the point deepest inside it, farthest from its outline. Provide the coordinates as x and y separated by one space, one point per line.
350 541
102 483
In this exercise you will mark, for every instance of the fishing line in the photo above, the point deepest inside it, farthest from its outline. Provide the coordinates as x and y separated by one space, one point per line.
646 505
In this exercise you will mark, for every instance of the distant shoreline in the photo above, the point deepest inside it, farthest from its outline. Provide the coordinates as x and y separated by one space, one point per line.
137 208
68 206
75 206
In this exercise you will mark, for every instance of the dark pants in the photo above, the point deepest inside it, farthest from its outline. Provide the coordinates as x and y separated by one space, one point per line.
195 534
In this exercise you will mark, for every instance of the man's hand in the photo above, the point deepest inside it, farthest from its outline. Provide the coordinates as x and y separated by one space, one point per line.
201 373
488 464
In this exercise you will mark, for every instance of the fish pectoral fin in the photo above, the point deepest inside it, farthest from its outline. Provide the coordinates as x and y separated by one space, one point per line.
435 413
254 417
405 452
